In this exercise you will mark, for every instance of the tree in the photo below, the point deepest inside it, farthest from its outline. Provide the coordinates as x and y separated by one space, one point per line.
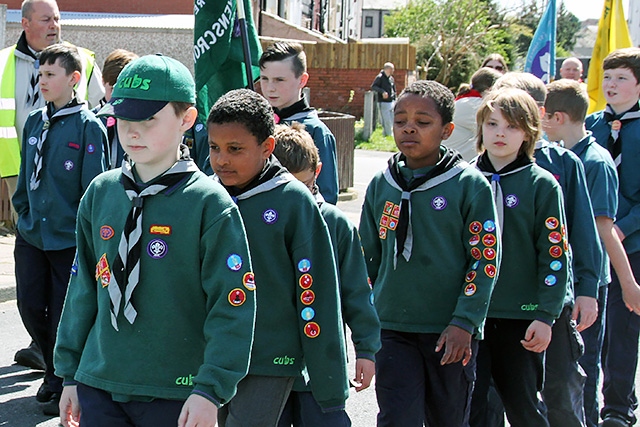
451 36
524 24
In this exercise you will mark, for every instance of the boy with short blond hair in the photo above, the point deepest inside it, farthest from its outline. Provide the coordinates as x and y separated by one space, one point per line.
62 151
283 74
617 128
296 151
158 323
298 320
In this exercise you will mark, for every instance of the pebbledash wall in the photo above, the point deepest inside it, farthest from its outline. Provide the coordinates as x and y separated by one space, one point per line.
331 89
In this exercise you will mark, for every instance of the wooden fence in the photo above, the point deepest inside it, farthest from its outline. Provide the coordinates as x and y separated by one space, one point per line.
357 55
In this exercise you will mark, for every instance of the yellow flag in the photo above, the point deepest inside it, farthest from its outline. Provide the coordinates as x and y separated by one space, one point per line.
613 34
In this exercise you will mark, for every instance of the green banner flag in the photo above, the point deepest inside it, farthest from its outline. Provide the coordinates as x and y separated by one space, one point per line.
217 50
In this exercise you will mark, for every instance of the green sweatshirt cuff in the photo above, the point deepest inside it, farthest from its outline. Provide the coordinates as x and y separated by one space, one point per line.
366 355
586 288
463 324
545 318
207 393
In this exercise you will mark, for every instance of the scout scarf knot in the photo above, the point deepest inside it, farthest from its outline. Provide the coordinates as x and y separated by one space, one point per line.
485 166
444 169
49 117
614 145
264 181
126 267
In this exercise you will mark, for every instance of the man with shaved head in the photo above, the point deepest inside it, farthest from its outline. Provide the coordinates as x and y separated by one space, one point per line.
571 69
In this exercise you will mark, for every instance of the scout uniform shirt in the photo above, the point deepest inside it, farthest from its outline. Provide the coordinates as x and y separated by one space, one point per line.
586 254
298 320
534 273
195 299
72 155
602 181
447 273
628 215
356 296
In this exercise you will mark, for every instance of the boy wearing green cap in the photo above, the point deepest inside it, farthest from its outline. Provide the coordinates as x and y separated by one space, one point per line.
158 322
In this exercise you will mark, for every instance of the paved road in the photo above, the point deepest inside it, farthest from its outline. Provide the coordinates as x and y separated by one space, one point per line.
18 385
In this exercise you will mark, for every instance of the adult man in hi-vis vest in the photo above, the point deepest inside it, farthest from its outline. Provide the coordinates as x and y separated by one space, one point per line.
20 95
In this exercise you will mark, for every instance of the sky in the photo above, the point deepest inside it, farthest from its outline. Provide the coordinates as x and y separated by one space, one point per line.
583 9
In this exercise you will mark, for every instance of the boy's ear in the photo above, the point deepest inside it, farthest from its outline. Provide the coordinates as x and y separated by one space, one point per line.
304 78
188 119
318 169
447 130
75 78
268 146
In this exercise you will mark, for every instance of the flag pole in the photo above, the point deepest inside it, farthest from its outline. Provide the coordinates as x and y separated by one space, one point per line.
242 21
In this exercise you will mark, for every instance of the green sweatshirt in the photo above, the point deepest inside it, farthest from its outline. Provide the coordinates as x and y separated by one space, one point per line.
455 255
195 299
298 321
533 277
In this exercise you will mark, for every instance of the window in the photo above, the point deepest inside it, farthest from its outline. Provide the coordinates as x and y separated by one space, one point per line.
368 21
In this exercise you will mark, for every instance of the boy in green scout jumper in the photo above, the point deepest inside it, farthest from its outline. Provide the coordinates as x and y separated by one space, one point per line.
296 151
158 322
62 151
298 320
428 229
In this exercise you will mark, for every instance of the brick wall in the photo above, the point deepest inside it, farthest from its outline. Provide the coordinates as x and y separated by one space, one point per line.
119 6
331 88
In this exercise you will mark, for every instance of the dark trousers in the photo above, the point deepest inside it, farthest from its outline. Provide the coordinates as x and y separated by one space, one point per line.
41 286
564 378
258 402
412 386
518 374
99 410
487 409
302 410
620 351
593 338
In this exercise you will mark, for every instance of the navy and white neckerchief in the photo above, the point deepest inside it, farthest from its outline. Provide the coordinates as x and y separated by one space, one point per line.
484 165
33 88
49 117
126 267
449 165
616 122
273 174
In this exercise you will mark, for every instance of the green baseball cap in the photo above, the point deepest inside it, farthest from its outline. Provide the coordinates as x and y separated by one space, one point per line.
146 85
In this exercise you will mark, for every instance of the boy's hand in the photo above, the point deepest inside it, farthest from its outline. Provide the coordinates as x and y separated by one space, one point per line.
457 344
69 407
585 311
631 297
537 337
365 370
198 412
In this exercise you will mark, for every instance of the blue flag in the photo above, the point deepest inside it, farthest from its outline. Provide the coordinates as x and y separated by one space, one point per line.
541 57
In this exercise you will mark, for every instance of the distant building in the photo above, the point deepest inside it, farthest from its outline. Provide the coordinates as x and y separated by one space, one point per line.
633 18
373 13
338 18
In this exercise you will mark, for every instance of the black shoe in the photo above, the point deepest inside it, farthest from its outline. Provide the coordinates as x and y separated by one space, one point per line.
613 421
52 407
44 394
31 357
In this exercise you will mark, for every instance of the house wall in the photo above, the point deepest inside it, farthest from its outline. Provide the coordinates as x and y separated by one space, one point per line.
119 6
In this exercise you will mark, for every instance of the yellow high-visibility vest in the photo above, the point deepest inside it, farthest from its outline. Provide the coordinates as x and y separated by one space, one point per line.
9 145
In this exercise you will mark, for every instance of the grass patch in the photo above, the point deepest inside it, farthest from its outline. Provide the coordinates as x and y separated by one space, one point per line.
377 142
